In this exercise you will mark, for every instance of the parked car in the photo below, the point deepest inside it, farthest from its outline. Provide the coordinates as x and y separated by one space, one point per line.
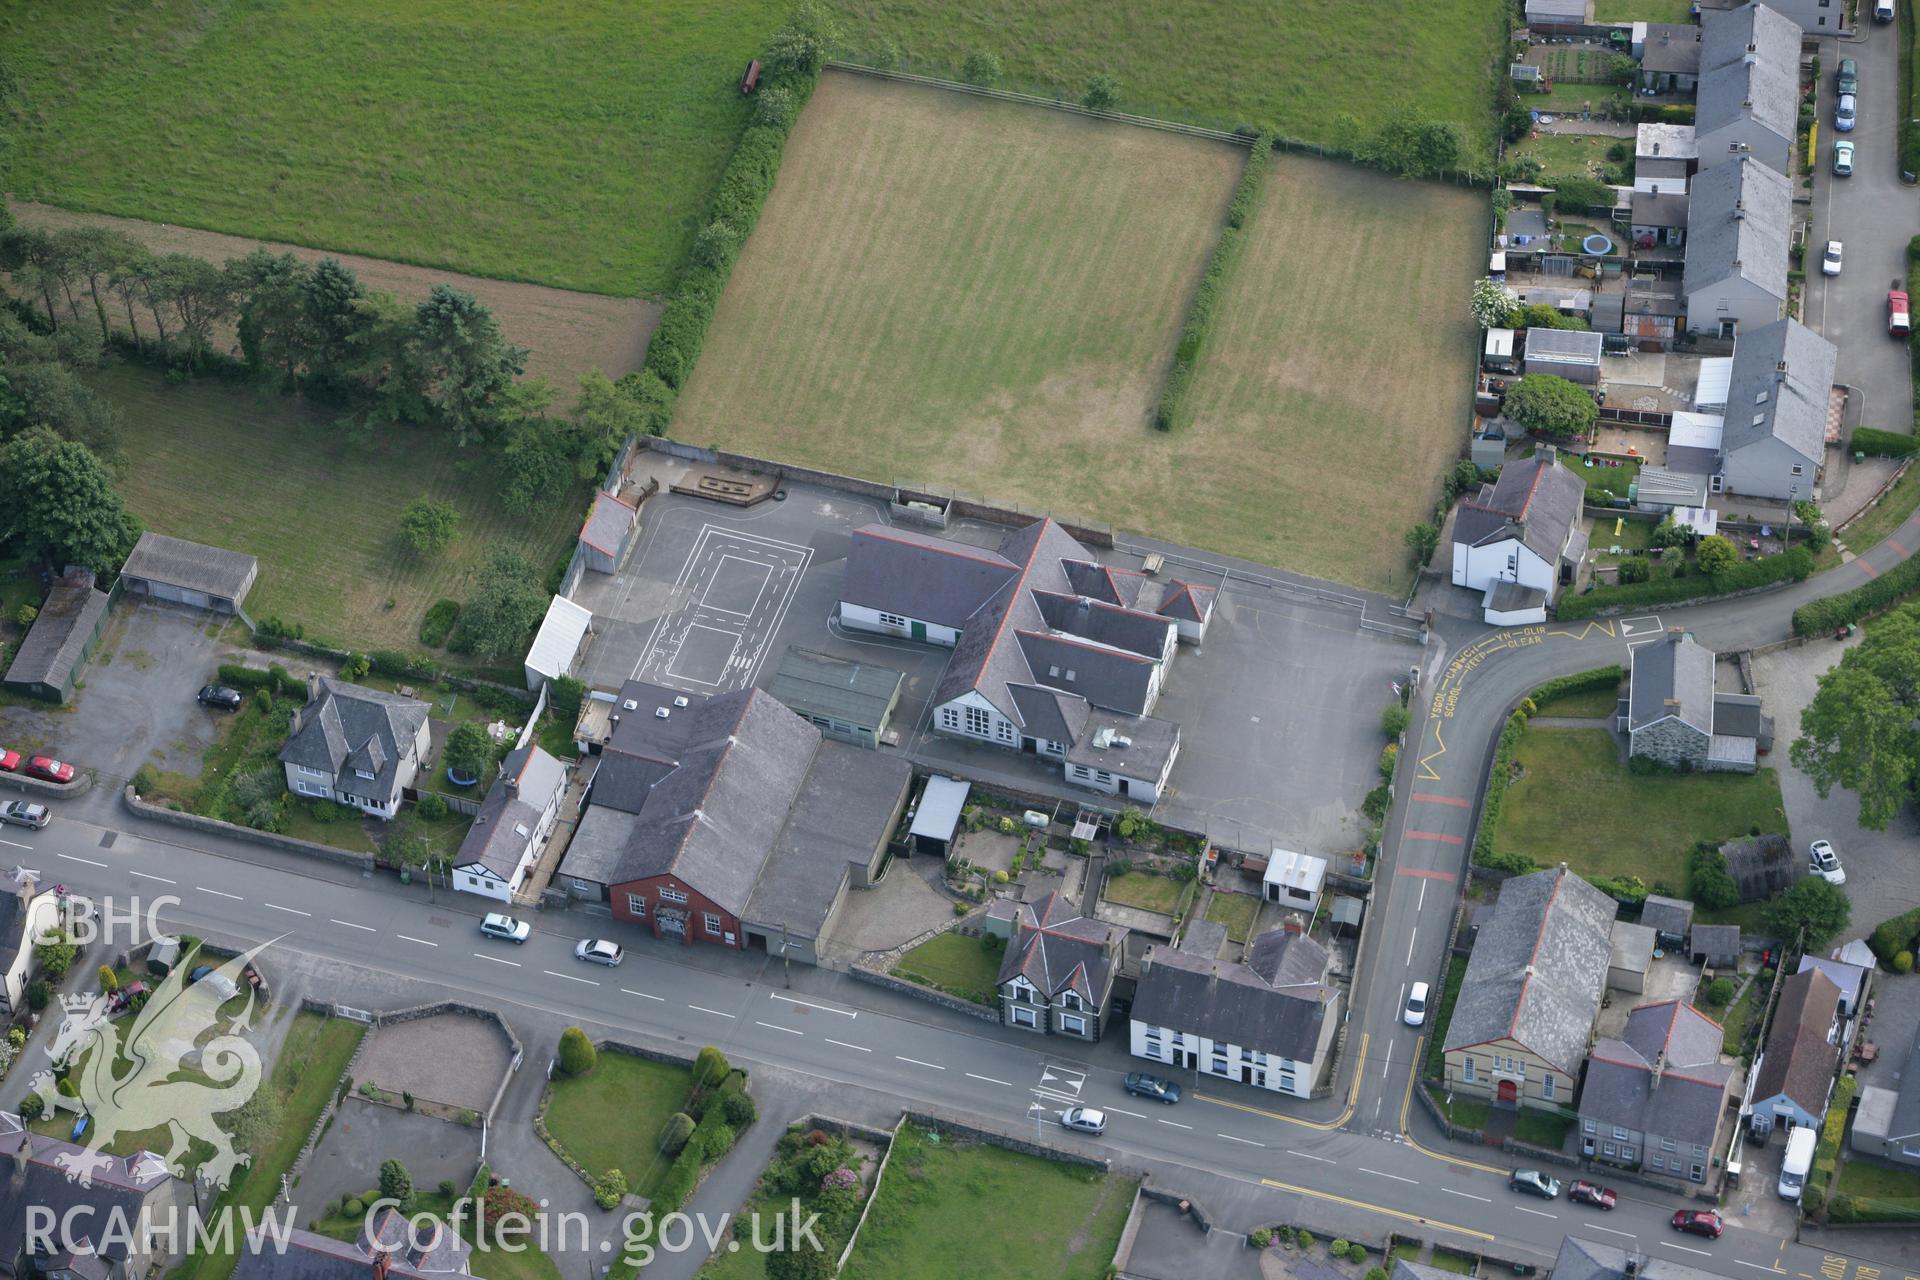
220 697
127 997
1824 861
9 760
599 951
1084 1119
1830 261
18 813
1843 159
1847 78
1699 1222
1899 320
1883 10
1142 1085
1584 1192
1843 113
47 769
497 925
1416 1011
1534 1183
214 980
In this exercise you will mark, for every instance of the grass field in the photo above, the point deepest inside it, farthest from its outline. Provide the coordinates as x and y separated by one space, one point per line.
1574 801
1220 65
219 463
1050 1221
955 964
611 1118
1564 154
569 142
1680 11
1589 703
980 297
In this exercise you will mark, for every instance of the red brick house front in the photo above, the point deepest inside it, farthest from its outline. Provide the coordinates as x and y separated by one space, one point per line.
672 908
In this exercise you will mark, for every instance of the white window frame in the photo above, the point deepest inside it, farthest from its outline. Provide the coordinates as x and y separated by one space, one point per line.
1023 1016
1466 1069
712 922
670 894
1546 1086
636 906
1074 1023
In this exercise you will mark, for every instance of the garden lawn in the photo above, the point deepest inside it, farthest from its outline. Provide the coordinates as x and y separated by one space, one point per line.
1564 154
1572 800
1145 890
220 463
1453 1262
1738 1016
1881 1182
1050 1221
1892 511
1584 703
1605 482
611 1118
570 142
1236 911
955 964
1610 11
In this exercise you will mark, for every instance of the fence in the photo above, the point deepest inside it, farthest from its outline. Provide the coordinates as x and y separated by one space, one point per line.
1636 417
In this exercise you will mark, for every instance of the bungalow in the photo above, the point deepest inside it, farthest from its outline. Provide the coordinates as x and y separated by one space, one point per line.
1519 540
355 746
1058 972
1779 402
1654 1097
1794 1077
1888 1121
1674 716
512 827
1739 220
1747 105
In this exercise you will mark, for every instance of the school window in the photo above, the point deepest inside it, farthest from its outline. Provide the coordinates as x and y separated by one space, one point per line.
1546 1088
636 906
713 923
893 620
949 718
670 894
1466 1070
1080 771
1003 730
978 722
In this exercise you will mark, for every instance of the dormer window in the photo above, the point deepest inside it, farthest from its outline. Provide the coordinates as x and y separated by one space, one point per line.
362 773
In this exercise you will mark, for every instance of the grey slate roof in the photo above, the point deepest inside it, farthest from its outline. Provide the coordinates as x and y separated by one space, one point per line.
815 683
1850 978
1739 219
1666 209
1714 940
120 1188
1905 1121
1579 347
1766 87
1799 1061
1538 969
529 781
1585 1260
311 1256
1048 715
17 891
1671 677
845 810
1668 917
1057 949
54 642
1671 48
1633 946
594 852
1536 500
1737 715
644 746
193 565
608 523
348 726
1794 410
918 575
1275 1003
1686 1104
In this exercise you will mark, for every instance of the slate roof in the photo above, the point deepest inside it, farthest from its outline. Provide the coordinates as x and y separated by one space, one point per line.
918 575
1671 48
1737 715
1714 940
1057 949
1276 1002
193 565
1850 978
1538 969
1536 500
1767 88
594 852
1048 715
1186 600
1794 410
1668 917
814 683
17 891
1585 1260
846 807
311 1256
608 523
347 726
1632 947
1799 1061
120 1188
1686 1104
1667 209
1905 1120
1739 219
65 624
1674 671
530 780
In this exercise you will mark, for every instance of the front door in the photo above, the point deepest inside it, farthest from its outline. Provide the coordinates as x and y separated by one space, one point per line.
1029 745
919 631
1509 1093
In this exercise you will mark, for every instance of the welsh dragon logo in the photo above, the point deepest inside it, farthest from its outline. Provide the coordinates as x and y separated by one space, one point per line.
180 1064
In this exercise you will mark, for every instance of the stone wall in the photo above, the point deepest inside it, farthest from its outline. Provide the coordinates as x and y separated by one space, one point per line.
953 1004
1011 1142
325 1119
455 1008
1672 742
213 826
81 784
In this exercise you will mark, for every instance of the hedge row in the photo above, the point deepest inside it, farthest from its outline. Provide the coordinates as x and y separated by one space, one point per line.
1817 617
1172 412
737 200
1895 935
1578 682
275 677
1791 566
1884 444
712 1138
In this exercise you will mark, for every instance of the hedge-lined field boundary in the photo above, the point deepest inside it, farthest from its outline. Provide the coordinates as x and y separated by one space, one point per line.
1578 682
1884 444
1792 566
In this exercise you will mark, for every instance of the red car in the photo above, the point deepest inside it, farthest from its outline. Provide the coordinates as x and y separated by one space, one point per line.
1584 1192
9 760
49 769
1899 318
1699 1222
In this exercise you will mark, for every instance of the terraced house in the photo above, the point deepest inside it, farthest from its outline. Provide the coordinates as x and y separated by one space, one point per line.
1654 1099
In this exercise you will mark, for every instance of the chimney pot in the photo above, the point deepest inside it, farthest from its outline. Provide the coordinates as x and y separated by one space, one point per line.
1293 923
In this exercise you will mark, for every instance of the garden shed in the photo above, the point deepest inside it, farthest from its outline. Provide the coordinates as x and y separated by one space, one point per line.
605 536
557 645
61 639
937 819
1294 879
1669 918
1632 956
1573 354
1717 946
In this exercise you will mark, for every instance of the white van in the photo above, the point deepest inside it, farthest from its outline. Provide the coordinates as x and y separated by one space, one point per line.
1793 1170
1883 10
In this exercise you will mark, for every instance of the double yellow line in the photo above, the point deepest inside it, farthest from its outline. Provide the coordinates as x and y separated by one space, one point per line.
1324 1126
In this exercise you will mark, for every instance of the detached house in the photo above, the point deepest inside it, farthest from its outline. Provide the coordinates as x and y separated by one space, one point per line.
1674 716
1268 1022
512 827
27 912
125 1223
1054 654
1747 104
1520 540
1794 1077
1653 1098
355 746
1059 968
1779 402
1533 988
1739 220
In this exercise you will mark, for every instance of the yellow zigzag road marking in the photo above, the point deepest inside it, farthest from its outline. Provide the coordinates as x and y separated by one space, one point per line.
1604 628
1426 769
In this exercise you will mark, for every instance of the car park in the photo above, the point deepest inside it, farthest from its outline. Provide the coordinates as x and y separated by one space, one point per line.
1084 1119
599 951
18 813
47 769
496 924
9 761
1584 1192
1843 159
220 697
1415 1012
1899 319
1823 860
1699 1222
1844 113
1532 1182
1830 260
1142 1085
1847 78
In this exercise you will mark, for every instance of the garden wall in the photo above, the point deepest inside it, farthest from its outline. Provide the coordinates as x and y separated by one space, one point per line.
953 1004
213 826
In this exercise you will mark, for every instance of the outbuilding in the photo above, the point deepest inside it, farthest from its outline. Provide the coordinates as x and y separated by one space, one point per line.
557 645
937 819
1294 880
1573 354
61 639
189 573
608 532
851 701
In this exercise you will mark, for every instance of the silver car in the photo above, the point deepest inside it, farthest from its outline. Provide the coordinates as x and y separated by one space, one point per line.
18 813
599 951
496 925
1084 1119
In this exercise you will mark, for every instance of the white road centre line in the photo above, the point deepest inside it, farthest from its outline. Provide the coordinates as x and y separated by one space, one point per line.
844 1045
1466 1195
1423 895
1135 1114
1410 938
814 1004
1535 1212
1684 1249
1629 1235
1387 1062
289 910
774 1026
143 875
643 995
84 861
916 1062
496 959
1230 1138
15 845
700 1008
365 928
407 937
1176 1124
990 1080
570 977
219 893
1322 1159
1396 1177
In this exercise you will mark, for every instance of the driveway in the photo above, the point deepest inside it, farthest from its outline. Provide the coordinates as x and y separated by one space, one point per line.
1873 215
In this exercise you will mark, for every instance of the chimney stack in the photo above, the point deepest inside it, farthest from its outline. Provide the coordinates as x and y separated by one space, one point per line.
22 1154
1294 924
1659 1067
382 1262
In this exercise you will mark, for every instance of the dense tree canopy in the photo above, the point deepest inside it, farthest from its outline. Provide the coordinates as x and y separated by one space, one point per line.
1551 405
1860 731
57 503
